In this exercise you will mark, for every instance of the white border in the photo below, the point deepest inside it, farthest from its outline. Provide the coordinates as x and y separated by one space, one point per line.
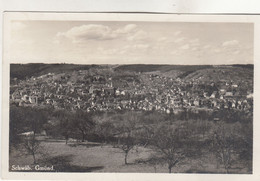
161 6
128 17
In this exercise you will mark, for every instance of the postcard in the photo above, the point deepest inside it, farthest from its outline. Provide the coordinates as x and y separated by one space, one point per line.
123 96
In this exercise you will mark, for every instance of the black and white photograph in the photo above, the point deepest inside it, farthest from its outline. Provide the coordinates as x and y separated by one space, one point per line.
130 96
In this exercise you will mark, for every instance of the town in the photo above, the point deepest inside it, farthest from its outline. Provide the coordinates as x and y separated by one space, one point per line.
105 89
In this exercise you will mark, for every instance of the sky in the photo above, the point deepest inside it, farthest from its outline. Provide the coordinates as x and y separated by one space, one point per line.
105 42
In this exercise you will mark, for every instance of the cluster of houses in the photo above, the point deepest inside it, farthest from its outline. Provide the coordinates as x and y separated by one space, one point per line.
154 92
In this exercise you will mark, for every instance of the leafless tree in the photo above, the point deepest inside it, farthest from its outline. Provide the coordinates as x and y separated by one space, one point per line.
126 130
65 124
83 123
168 141
31 144
105 130
223 145
128 143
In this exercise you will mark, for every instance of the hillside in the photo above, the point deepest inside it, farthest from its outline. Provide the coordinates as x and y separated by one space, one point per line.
21 71
188 72
161 68
185 72
216 74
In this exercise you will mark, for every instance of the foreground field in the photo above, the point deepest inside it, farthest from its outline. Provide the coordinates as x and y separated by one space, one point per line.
93 157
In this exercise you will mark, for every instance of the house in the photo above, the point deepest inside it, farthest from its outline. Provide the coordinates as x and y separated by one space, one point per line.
29 133
249 96
123 92
117 92
196 103
33 99
84 92
21 103
222 91
95 90
16 96
205 94
168 111
109 90
213 95
216 119
25 98
79 105
229 94
214 103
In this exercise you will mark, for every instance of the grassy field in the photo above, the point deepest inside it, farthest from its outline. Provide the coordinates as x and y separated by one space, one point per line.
93 157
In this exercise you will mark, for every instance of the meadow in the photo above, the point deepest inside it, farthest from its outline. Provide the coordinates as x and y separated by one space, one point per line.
133 142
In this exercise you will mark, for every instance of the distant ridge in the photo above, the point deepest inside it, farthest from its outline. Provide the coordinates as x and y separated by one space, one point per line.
165 68
21 71
162 68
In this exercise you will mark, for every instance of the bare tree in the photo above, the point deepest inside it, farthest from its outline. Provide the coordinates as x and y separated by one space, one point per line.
245 146
83 123
65 124
35 120
224 145
168 141
126 130
146 134
128 143
66 129
31 144
105 130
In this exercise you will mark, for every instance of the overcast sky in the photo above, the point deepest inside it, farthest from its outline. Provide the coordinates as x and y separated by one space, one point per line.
131 42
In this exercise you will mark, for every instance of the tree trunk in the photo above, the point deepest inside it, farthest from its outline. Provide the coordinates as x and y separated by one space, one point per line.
126 153
170 169
104 142
227 171
34 159
83 138
66 137
155 169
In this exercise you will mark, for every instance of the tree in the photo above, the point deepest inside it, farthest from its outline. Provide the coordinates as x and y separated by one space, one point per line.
168 141
65 127
35 119
31 145
25 123
128 144
145 136
224 145
16 125
105 130
126 130
245 146
83 123
203 127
